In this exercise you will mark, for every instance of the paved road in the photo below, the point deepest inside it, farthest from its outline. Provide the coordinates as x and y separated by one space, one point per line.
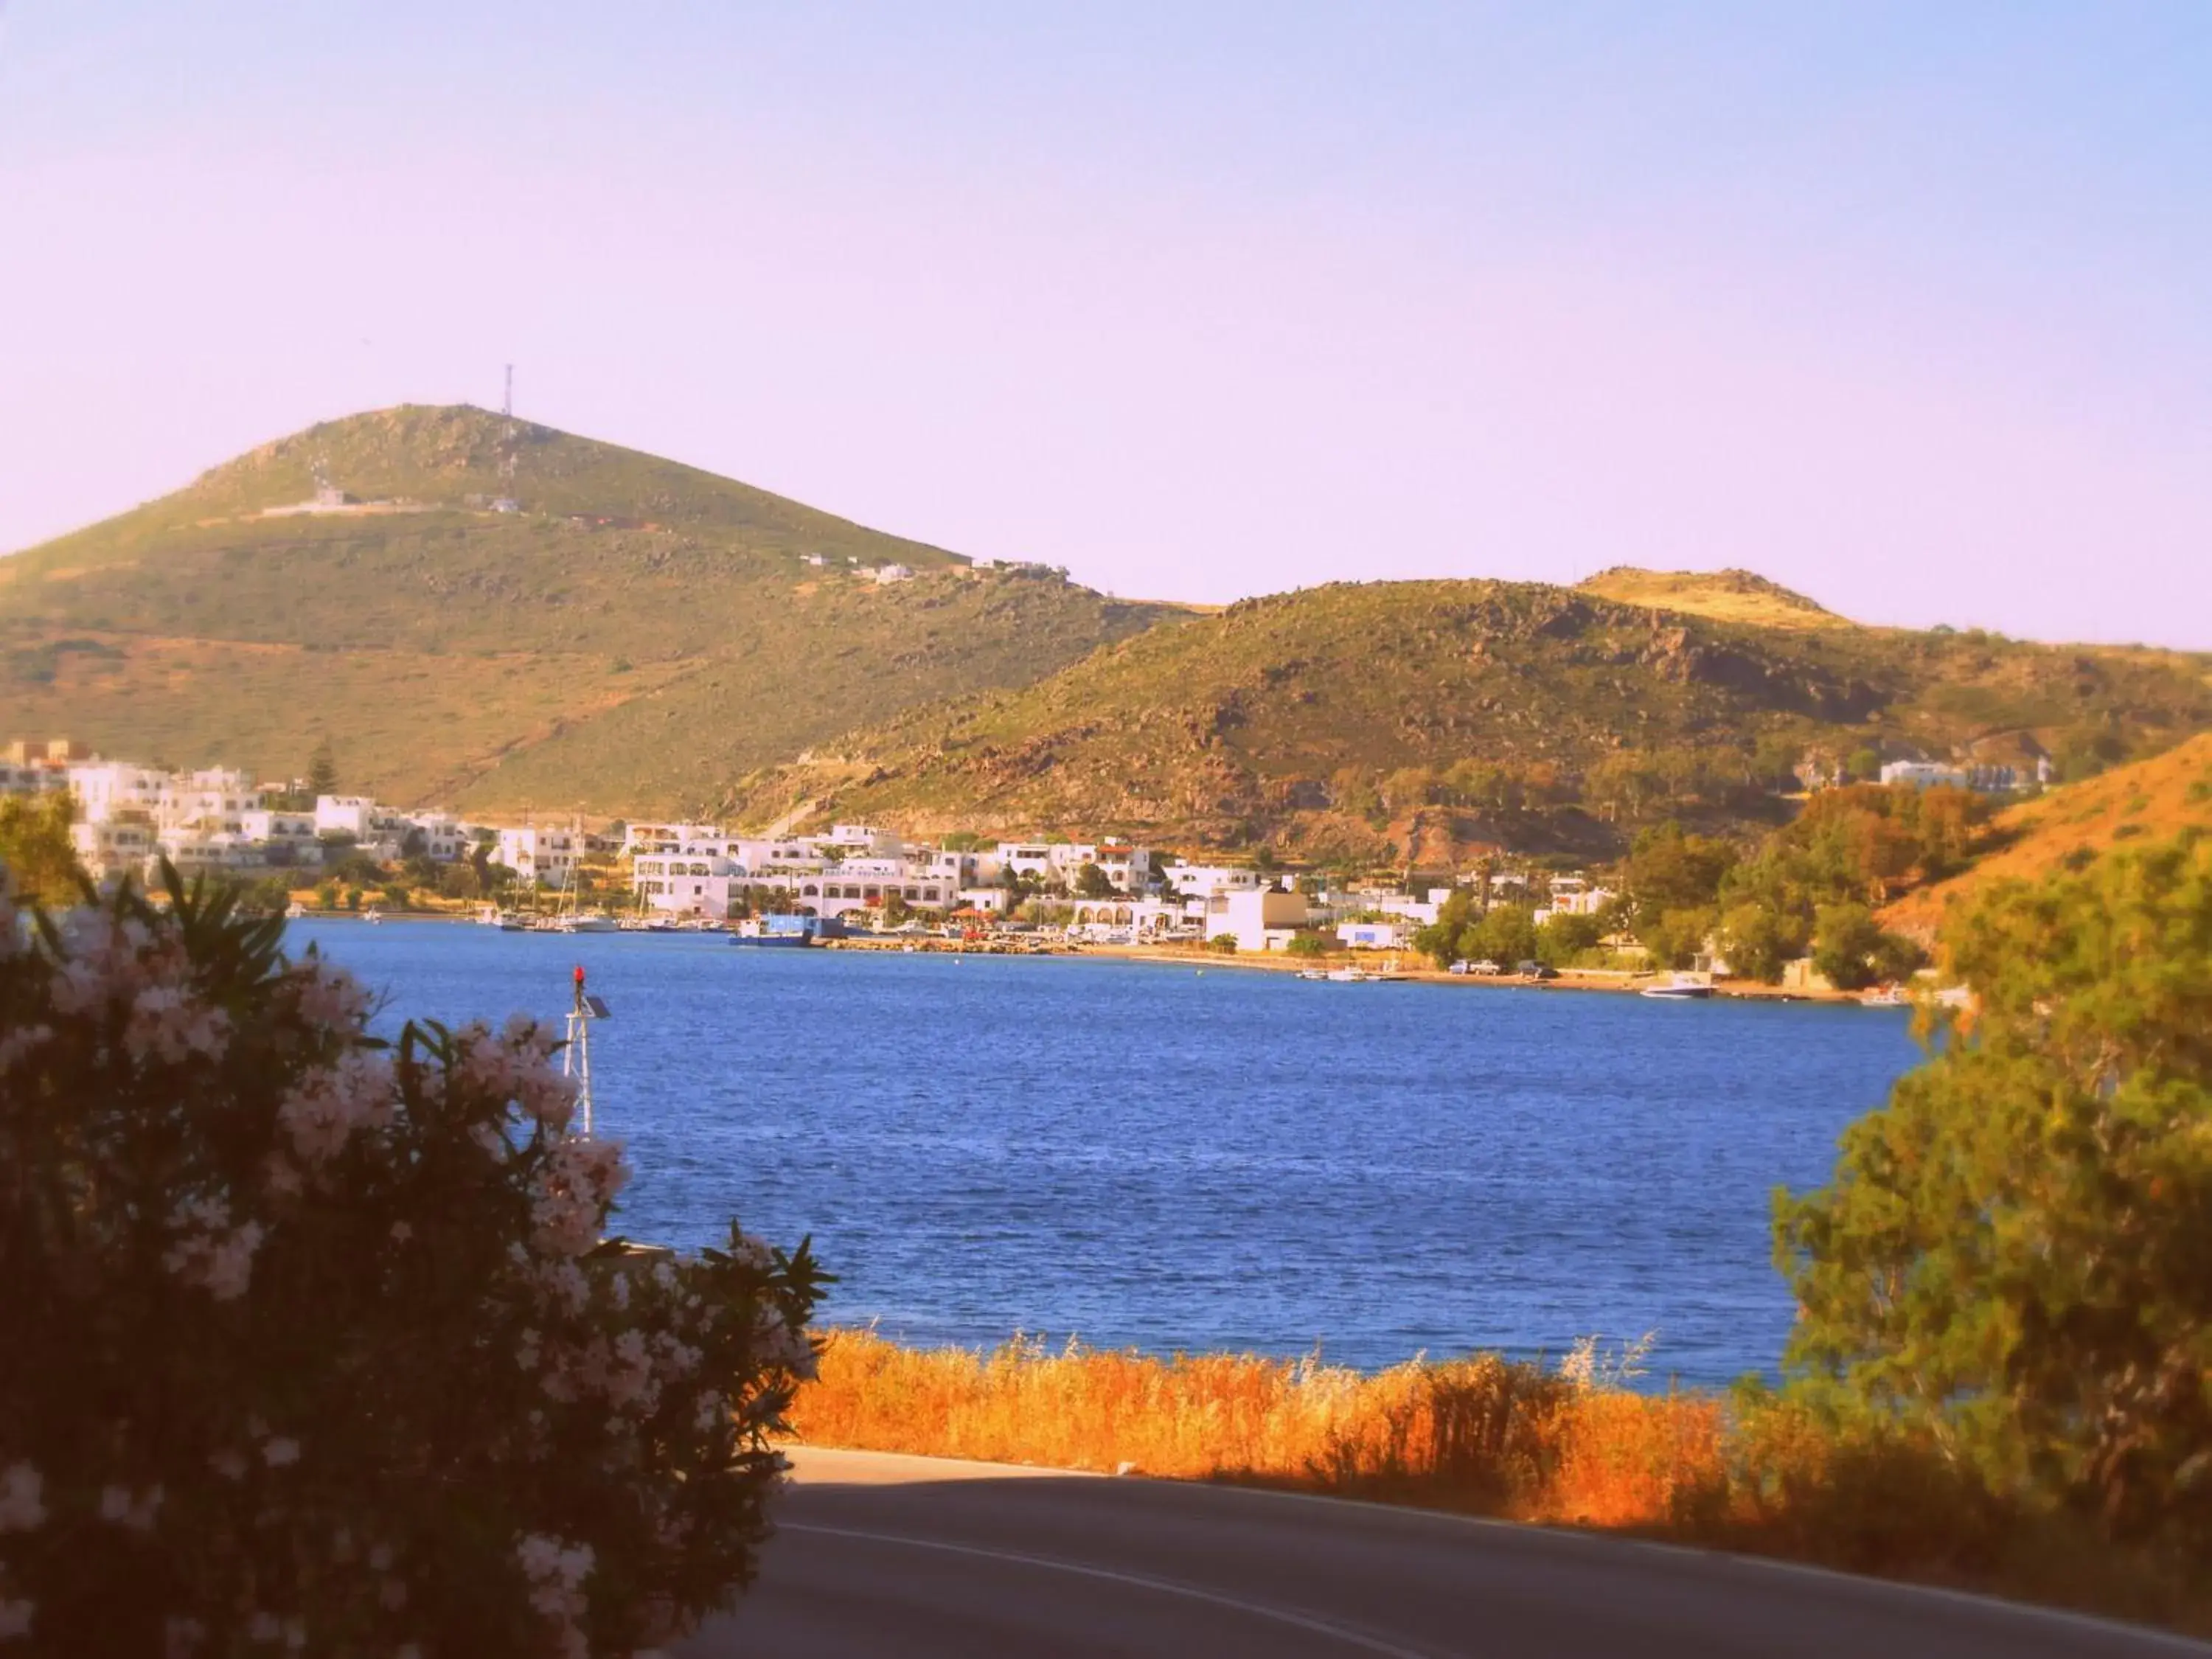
883 1558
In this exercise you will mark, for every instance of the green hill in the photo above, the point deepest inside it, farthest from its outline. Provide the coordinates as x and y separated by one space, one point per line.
1440 715
636 634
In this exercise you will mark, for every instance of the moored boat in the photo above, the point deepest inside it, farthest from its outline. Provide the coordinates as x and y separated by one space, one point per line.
1679 989
786 932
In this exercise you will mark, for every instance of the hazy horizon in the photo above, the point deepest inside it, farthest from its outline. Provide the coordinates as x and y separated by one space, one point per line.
1903 310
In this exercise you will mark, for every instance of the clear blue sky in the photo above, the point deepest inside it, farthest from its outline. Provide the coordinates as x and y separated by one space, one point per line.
1908 305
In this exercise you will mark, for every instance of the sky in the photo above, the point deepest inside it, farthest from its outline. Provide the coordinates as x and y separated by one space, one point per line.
1908 306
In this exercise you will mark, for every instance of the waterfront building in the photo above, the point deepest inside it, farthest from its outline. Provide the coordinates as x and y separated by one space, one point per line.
544 855
1258 919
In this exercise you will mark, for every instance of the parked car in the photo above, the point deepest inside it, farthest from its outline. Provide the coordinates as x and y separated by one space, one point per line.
1486 968
1536 970
1461 968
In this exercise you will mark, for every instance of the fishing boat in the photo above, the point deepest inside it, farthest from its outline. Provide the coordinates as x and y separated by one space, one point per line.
787 932
1313 973
1679 989
1349 976
1890 996
371 915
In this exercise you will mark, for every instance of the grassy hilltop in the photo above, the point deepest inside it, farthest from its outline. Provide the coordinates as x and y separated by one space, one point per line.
637 634
1334 718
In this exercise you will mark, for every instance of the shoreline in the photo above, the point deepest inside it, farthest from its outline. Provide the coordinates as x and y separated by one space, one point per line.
1617 982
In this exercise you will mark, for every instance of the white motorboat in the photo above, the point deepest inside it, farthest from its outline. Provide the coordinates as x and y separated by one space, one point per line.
1679 989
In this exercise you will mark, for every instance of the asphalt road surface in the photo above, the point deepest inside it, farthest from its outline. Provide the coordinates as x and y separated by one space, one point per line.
882 1557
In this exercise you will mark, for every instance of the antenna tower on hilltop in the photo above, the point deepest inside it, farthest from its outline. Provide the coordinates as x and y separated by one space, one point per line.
508 451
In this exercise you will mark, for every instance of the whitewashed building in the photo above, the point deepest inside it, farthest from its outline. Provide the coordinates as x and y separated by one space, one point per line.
541 854
1258 919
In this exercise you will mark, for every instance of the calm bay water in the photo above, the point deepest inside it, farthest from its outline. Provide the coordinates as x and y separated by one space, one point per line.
1153 1156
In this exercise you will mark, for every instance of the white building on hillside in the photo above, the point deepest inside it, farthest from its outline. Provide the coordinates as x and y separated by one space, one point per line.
1204 880
652 838
112 846
542 854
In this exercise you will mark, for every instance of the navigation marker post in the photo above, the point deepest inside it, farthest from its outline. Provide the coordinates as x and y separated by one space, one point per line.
576 1053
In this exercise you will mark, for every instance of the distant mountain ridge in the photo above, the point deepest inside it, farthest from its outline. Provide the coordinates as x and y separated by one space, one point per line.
1327 718
637 634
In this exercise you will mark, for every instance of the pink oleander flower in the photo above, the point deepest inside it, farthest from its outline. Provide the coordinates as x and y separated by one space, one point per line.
22 1504
167 1023
213 1255
19 1042
330 997
118 1506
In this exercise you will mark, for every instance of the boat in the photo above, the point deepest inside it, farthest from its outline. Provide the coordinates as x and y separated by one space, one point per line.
1890 996
787 932
1349 976
371 915
1388 974
1679 989
294 912
1313 973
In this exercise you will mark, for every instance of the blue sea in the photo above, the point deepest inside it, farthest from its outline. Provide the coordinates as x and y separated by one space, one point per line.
1169 1157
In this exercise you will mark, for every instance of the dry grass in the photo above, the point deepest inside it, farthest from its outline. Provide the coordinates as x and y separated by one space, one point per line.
1729 596
1480 1433
1573 1446
2152 800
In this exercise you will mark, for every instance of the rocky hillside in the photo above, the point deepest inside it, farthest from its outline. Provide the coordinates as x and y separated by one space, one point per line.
632 637
1442 714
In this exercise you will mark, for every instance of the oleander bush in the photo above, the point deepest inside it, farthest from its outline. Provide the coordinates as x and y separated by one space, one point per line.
313 1343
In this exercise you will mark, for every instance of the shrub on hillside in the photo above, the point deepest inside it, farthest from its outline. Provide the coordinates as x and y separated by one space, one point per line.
314 1345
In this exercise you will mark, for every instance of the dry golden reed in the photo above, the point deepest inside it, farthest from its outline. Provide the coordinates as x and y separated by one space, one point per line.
1483 1433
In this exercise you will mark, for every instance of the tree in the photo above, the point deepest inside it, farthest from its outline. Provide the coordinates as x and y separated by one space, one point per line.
1224 944
322 771
235 1228
1677 938
1093 882
1307 944
36 849
1669 869
1761 939
1852 950
2013 1257
1408 787
1439 940
1506 933
1562 938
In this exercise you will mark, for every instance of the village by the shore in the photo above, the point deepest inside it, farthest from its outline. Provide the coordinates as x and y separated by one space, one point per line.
854 886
